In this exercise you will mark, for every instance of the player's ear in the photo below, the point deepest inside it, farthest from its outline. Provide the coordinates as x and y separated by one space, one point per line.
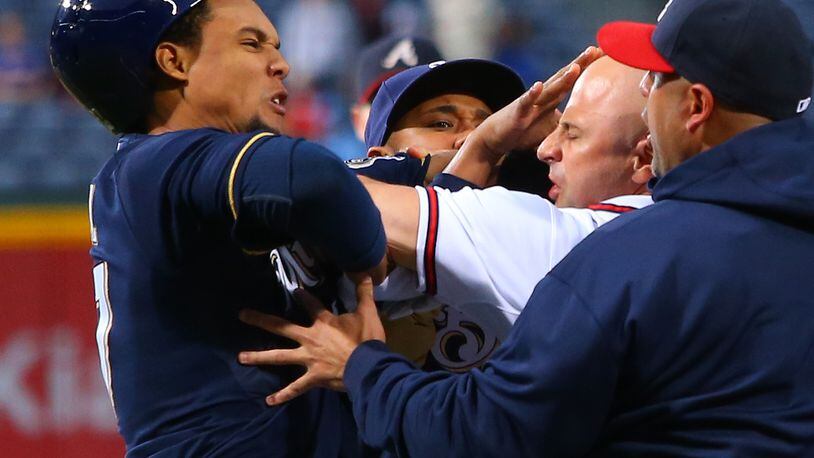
701 102
174 61
358 115
642 162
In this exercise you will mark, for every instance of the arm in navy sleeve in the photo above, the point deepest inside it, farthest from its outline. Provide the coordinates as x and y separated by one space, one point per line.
405 170
281 189
401 169
546 392
329 208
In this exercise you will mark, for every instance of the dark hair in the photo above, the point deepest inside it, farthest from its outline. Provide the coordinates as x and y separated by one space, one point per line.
187 31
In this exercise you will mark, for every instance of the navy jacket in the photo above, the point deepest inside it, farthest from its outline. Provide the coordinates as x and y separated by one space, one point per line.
683 329
176 218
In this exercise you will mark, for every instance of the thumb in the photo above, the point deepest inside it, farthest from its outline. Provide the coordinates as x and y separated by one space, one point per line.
364 297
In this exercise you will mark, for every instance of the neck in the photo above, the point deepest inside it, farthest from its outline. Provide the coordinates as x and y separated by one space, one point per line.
642 190
172 113
725 124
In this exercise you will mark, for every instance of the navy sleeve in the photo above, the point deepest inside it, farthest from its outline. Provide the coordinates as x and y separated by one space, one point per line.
451 182
277 189
400 169
325 205
527 401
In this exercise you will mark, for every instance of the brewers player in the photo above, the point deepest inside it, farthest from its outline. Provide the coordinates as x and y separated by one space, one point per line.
200 183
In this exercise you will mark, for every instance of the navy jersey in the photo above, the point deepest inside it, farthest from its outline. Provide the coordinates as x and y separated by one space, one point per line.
178 221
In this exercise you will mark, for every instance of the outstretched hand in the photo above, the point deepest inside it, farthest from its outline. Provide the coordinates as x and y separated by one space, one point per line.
524 123
521 125
324 347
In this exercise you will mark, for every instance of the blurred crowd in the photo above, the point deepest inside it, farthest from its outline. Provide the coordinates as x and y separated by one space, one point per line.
51 148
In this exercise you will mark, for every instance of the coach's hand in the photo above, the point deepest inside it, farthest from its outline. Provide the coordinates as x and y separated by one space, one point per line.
324 347
524 123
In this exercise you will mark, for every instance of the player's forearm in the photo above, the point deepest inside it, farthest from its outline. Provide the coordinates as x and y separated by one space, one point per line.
475 161
398 206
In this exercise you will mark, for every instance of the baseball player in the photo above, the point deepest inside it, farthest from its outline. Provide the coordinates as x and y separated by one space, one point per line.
457 242
380 60
183 216
429 111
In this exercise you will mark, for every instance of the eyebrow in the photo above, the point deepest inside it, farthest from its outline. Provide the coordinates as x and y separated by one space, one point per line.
454 110
261 35
567 125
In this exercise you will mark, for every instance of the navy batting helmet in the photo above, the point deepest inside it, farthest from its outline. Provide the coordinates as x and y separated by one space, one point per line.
103 52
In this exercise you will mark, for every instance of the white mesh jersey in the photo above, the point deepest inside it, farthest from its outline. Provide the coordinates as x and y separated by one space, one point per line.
483 251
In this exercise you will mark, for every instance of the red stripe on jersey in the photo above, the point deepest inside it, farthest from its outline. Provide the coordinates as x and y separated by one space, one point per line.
612 208
431 241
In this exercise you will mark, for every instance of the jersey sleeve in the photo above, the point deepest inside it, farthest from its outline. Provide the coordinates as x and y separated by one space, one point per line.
526 401
451 182
277 189
482 251
400 169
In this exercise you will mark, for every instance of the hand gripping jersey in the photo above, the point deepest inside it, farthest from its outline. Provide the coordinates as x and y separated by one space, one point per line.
176 219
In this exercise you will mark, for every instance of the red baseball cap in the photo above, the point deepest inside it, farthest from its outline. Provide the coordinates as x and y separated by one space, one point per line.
752 54
631 43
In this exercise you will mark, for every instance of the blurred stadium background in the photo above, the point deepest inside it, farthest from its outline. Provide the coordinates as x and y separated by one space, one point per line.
52 402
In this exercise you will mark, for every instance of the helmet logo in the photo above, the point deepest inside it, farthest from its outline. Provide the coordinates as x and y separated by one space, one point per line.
174 6
803 105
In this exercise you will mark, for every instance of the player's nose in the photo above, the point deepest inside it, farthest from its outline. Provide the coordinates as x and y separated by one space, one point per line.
279 68
549 150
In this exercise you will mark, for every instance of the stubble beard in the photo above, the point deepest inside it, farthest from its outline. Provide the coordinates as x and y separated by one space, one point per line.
256 124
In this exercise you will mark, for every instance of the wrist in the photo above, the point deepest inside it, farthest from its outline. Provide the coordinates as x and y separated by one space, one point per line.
479 146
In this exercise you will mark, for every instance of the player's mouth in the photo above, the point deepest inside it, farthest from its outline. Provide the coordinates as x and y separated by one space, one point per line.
554 177
554 192
278 101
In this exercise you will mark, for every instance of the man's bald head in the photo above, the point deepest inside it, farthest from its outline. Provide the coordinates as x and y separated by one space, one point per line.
599 150
609 91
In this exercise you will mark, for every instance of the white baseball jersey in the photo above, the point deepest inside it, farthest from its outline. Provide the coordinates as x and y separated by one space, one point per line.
482 252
